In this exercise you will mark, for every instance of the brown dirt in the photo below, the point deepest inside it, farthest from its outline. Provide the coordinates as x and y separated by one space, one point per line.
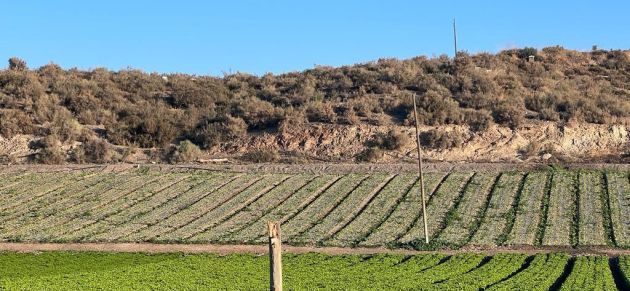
261 249
16 146
573 142
318 168
317 143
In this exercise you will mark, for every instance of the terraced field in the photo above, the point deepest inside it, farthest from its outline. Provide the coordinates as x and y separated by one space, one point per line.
465 209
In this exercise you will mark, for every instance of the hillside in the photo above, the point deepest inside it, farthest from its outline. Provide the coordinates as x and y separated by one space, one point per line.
559 105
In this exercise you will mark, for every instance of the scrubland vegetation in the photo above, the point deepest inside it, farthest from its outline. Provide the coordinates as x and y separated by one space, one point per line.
135 109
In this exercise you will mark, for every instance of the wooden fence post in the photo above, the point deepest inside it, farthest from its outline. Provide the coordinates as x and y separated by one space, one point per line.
275 256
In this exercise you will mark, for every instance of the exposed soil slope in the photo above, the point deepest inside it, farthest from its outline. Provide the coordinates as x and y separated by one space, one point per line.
572 143
536 142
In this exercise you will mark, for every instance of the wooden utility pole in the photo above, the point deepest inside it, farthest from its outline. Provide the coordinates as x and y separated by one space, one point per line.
275 256
455 37
424 208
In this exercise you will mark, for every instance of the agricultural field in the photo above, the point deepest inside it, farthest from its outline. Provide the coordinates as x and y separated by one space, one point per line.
485 209
311 271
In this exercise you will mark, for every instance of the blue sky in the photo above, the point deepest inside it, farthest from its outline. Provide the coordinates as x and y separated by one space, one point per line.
216 37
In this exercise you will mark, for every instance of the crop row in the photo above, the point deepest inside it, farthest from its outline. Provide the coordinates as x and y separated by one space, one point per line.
286 210
498 267
591 210
560 217
257 208
438 206
528 213
340 214
619 204
84 225
464 220
160 209
590 273
312 271
59 208
325 203
236 203
407 213
375 212
495 220
541 274
559 208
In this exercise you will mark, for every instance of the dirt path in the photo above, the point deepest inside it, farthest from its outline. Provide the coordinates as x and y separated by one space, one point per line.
316 168
261 249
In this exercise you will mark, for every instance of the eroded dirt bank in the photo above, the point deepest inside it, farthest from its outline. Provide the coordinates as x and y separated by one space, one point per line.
538 141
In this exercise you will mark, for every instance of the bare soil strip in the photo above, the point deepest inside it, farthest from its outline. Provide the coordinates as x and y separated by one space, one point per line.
317 168
261 249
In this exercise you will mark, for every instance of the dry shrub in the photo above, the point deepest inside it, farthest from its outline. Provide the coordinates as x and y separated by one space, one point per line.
261 156
65 126
50 151
477 120
128 154
97 151
258 114
294 157
77 155
44 108
439 139
530 150
525 52
509 115
435 107
21 86
294 120
320 112
203 92
154 155
362 108
346 115
392 140
8 159
14 122
17 64
370 155
212 132
149 126
379 119
186 152
536 148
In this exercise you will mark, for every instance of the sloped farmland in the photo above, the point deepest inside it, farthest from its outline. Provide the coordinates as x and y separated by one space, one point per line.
481 209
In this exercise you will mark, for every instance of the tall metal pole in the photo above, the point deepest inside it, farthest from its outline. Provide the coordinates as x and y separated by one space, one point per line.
424 209
455 36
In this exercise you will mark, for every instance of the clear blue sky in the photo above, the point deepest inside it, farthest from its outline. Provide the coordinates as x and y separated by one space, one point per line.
259 36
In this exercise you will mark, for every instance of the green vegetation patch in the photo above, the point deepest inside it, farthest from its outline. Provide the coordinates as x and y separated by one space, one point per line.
177 271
